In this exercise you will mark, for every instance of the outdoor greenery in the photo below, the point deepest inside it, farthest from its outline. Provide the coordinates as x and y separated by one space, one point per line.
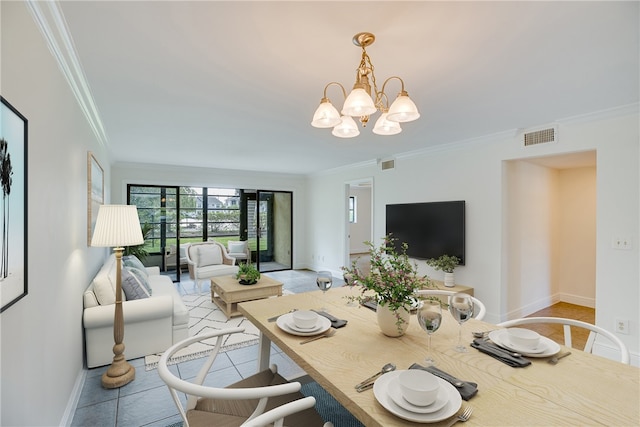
140 251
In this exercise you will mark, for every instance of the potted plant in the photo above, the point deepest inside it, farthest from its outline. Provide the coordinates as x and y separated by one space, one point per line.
446 263
138 250
393 278
247 274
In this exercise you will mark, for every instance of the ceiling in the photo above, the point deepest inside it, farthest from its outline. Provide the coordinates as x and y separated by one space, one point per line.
234 85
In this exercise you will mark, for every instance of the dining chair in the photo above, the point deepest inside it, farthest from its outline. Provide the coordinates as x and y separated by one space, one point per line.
479 310
567 323
260 399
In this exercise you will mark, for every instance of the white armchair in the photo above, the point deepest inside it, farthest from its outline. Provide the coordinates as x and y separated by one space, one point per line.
171 255
207 260
239 250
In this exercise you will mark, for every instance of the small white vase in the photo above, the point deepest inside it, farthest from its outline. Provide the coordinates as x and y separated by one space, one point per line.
448 280
389 324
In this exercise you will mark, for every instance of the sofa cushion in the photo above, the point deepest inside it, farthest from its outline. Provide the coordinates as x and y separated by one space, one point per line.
143 278
133 261
132 286
103 285
208 255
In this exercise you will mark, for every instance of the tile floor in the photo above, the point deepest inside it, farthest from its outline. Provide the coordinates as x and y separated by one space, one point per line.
146 400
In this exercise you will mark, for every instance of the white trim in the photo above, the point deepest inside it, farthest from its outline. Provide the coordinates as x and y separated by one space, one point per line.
74 398
58 38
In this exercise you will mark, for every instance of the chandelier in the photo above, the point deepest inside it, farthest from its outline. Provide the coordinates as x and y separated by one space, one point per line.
362 103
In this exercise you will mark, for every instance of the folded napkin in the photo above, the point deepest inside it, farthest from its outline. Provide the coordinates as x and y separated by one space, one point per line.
335 322
500 353
468 389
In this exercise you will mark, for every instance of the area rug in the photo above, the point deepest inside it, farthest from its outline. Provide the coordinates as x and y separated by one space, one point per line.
205 317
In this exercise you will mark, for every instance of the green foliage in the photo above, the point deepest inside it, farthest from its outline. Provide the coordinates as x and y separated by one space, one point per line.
248 272
446 263
139 250
393 276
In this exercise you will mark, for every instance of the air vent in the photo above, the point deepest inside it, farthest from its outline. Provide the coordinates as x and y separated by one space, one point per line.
387 164
542 136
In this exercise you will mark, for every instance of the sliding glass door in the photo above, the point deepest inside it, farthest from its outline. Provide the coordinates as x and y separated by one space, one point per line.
266 222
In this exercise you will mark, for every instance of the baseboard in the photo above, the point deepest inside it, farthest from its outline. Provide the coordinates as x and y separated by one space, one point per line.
74 398
576 299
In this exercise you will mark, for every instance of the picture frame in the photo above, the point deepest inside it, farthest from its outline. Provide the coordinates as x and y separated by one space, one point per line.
95 193
13 202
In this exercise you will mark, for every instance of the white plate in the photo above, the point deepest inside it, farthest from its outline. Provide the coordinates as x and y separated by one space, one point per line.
395 393
285 320
292 325
449 392
549 347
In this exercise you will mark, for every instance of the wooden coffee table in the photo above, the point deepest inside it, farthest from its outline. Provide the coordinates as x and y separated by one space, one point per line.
226 292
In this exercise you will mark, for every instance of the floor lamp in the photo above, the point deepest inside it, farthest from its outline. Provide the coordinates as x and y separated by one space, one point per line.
118 226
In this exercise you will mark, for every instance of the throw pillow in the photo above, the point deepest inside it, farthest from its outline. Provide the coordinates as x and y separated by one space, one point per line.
132 287
237 247
142 277
133 261
209 255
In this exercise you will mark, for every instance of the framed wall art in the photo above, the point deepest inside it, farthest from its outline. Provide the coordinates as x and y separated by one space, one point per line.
13 183
95 193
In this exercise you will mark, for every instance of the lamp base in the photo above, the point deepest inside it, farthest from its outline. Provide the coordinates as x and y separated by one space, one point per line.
120 373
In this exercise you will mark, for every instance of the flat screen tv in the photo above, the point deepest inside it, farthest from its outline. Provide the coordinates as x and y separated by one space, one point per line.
430 229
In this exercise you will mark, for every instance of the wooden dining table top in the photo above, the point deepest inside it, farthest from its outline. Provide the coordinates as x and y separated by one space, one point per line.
581 389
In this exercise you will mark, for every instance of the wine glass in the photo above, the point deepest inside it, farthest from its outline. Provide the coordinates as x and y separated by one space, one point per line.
429 318
461 308
324 280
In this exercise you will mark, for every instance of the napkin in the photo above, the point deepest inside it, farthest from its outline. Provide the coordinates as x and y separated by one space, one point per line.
500 354
335 322
468 389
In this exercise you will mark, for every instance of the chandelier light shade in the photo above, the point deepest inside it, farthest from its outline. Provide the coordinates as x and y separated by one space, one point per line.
358 103
364 101
384 126
346 129
326 115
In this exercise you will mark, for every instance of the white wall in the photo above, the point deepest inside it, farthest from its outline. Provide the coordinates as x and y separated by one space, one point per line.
576 255
360 231
41 355
473 171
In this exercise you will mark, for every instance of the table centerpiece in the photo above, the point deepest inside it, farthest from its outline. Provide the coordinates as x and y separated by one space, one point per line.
393 278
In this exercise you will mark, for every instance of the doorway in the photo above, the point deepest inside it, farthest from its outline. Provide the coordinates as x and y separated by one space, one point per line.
550 232
266 223
358 219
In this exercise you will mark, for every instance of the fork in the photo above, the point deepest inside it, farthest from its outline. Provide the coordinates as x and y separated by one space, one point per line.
327 334
555 359
464 416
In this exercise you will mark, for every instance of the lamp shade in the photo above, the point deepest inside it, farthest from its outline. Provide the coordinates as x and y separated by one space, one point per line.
346 129
326 115
117 225
403 109
358 103
386 127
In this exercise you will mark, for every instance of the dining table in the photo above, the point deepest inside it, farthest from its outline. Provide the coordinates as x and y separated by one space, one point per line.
581 389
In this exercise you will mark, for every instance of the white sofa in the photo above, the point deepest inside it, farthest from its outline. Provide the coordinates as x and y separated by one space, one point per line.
151 324
209 259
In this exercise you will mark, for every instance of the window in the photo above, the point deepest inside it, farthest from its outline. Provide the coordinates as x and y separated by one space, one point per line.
352 209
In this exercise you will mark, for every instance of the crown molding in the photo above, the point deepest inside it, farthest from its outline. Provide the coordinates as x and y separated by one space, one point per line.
52 25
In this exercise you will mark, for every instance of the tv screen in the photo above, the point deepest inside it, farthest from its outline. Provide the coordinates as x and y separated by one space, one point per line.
430 229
